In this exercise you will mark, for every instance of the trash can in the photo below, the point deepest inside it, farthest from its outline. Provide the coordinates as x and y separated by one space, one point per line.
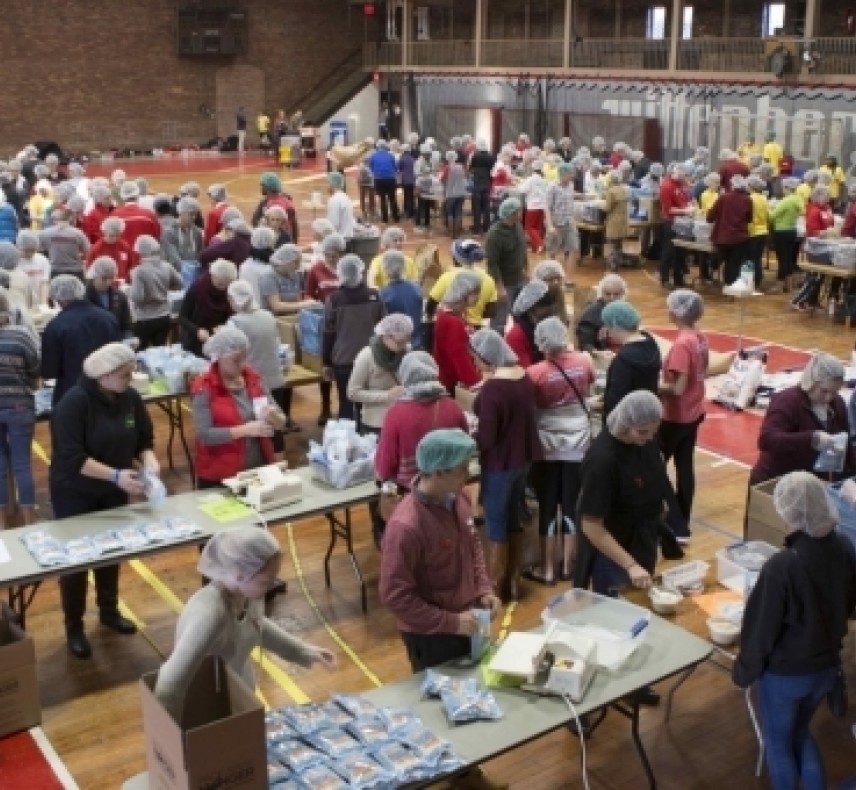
289 151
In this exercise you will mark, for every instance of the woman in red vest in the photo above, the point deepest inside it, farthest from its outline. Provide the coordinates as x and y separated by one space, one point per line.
234 415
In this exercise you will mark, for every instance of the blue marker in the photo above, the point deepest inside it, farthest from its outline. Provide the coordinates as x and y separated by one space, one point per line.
638 627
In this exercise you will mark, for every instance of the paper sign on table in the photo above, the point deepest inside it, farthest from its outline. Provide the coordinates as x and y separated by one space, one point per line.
225 509
4 552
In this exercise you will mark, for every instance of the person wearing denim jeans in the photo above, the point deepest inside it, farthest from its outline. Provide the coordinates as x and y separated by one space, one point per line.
793 627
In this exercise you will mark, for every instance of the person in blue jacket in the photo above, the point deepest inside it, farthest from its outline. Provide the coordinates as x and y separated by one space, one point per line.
385 169
8 220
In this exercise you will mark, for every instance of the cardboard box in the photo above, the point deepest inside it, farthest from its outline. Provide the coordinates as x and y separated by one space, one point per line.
763 522
20 708
465 398
220 742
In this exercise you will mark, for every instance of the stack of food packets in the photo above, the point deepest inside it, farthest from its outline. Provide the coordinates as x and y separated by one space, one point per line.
348 742
463 698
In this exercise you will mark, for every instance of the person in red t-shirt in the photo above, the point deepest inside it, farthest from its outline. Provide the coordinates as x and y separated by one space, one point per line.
682 392
452 333
114 246
818 213
533 304
90 223
674 203
217 193
138 221
731 166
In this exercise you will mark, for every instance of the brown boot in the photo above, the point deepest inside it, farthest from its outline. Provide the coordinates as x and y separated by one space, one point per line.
496 559
512 572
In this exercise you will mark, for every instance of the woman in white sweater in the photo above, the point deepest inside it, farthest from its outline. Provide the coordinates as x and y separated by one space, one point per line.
226 617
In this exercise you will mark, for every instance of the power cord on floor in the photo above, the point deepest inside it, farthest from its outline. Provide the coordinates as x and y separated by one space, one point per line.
581 734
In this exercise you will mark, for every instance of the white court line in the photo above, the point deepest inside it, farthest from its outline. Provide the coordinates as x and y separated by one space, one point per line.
52 758
722 459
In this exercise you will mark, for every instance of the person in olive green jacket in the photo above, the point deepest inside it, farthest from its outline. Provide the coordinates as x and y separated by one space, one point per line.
505 247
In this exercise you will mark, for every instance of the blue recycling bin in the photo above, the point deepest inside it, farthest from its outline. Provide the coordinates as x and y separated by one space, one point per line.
338 132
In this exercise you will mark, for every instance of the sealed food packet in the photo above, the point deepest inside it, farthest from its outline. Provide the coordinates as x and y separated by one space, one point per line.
158 532
426 744
132 537
470 706
277 730
297 755
368 731
45 548
338 715
321 777
277 772
355 704
306 719
404 763
397 720
435 682
362 772
81 550
181 527
333 742
107 541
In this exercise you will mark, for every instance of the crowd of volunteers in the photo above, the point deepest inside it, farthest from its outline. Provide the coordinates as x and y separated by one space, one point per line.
493 330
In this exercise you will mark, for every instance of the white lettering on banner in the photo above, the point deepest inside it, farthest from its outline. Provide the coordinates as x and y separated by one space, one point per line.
807 134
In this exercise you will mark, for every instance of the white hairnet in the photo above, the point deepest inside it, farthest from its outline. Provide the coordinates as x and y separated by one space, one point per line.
228 340
221 269
129 191
739 184
189 189
113 226
551 336
756 182
322 227
229 214
66 288
9 255
335 242
463 284
612 282
241 294
217 192
350 270
99 193
262 238
286 254
107 360
103 266
27 240
64 190
802 502
275 211
532 293
549 269
236 555
417 367
823 178
633 411
821 367
790 183
188 205
76 204
819 194
392 236
685 304
395 325
393 264
147 246
490 347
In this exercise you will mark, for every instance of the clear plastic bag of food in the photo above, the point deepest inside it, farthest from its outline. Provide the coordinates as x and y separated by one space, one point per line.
428 746
81 550
38 538
158 532
398 720
182 528
362 772
306 719
288 784
338 715
277 772
401 761
50 555
321 777
435 682
276 729
297 755
449 763
333 742
469 705
355 704
107 541
370 731
132 538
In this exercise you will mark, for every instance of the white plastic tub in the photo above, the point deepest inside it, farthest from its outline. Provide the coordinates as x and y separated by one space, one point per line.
737 567
686 576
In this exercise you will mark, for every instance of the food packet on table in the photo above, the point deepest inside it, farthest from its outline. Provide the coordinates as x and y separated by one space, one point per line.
435 682
321 777
402 761
370 731
355 704
297 755
46 549
428 746
153 488
306 719
333 742
82 549
831 459
470 706
132 538
362 772
398 720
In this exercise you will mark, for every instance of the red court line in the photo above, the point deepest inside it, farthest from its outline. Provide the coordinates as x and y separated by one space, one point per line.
22 764
201 163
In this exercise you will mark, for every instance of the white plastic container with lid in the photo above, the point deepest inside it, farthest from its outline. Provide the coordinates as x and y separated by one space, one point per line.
737 567
687 576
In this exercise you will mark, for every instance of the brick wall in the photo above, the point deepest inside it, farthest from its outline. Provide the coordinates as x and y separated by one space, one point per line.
97 74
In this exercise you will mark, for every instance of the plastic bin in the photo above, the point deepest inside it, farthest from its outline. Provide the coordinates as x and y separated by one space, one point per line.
846 513
615 626
366 247
844 256
687 575
737 567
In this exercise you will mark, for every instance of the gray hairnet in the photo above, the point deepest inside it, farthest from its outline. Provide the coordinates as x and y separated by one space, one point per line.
712 179
756 182
27 240
633 411
129 191
548 269
551 336
391 236
103 266
226 341
394 325
823 178
108 359
821 367
188 205
350 270
803 503
393 264
656 169
685 304
277 212
490 347
240 292
223 270
262 238
286 254
64 190
819 193
532 293
217 192
417 367
790 183
229 214
66 288
147 246
113 225
322 227
463 284
76 204
99 193
335 242
236 555
189 189
612 281
9 255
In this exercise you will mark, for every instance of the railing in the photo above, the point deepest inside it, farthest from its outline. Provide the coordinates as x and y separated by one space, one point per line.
544 53
722 54
837 55
331 79
448 52
620 53
381 53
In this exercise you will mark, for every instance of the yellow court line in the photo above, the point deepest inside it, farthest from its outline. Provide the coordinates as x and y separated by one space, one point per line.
506 621
279 676
40 452
346 648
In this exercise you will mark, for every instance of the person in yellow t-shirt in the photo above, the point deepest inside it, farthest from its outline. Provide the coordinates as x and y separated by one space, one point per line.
392 239
40 204
711 194
805 189
263 128
758 225
748 148
466 253
836 190
773 153
550 170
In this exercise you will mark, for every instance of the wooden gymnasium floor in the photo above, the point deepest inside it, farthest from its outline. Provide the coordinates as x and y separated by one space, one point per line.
92 710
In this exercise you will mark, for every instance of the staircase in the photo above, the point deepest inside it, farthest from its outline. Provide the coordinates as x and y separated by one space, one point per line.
333 90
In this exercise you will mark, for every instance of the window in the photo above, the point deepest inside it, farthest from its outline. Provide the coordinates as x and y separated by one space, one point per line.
655 24
687 26
773 19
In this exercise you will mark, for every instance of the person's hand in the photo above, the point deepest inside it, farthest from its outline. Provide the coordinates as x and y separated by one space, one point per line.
202 335
394 394
501 293
848 491
491 602
272 415
327 373
256 429
152 466
639 577
129 481
326 658
822 440
468 624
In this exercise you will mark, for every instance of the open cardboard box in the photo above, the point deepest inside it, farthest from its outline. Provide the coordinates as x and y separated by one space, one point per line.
763 522
220 742
20 707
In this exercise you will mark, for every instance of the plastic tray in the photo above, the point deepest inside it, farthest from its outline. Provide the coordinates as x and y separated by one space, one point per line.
733 572
687 575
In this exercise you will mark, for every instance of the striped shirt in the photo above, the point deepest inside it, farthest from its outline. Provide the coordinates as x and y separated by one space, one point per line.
19 367
560 202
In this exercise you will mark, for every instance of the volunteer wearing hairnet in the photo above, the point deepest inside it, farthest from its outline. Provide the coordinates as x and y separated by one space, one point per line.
262 243
182 243
340 210
217 195
103 291
636 365
534 303
350 316
15 281
103 441
66 247
274 197
139 221
452 333
611 288
151 283
114 246
234 244
508 444
70 337
674 203
19 373
731 215
682 392
392 239
801 422
793 630
505 248
561 382
551 273
34 265
281 286
402 296
226 618
205 306
466 253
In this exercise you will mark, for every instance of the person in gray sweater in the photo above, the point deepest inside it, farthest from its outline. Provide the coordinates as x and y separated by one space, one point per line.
65 246
454 192
151 283
181 243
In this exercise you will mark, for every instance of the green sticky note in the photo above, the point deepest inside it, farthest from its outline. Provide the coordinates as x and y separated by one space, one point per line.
226 509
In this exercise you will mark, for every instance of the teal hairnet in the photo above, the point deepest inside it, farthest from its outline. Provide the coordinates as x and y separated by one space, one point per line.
271 182
336 180
444 449
621 315
508 207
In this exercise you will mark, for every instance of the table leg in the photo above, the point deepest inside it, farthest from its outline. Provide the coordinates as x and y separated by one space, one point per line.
340 529
183 438
20 599
629 707
166 408
680 682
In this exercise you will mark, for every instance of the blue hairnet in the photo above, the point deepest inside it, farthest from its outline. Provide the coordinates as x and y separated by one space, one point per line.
444 449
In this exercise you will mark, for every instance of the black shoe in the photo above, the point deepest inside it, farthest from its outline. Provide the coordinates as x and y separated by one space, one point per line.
647 697
669 546
280 587
117 623
78 644
323 417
